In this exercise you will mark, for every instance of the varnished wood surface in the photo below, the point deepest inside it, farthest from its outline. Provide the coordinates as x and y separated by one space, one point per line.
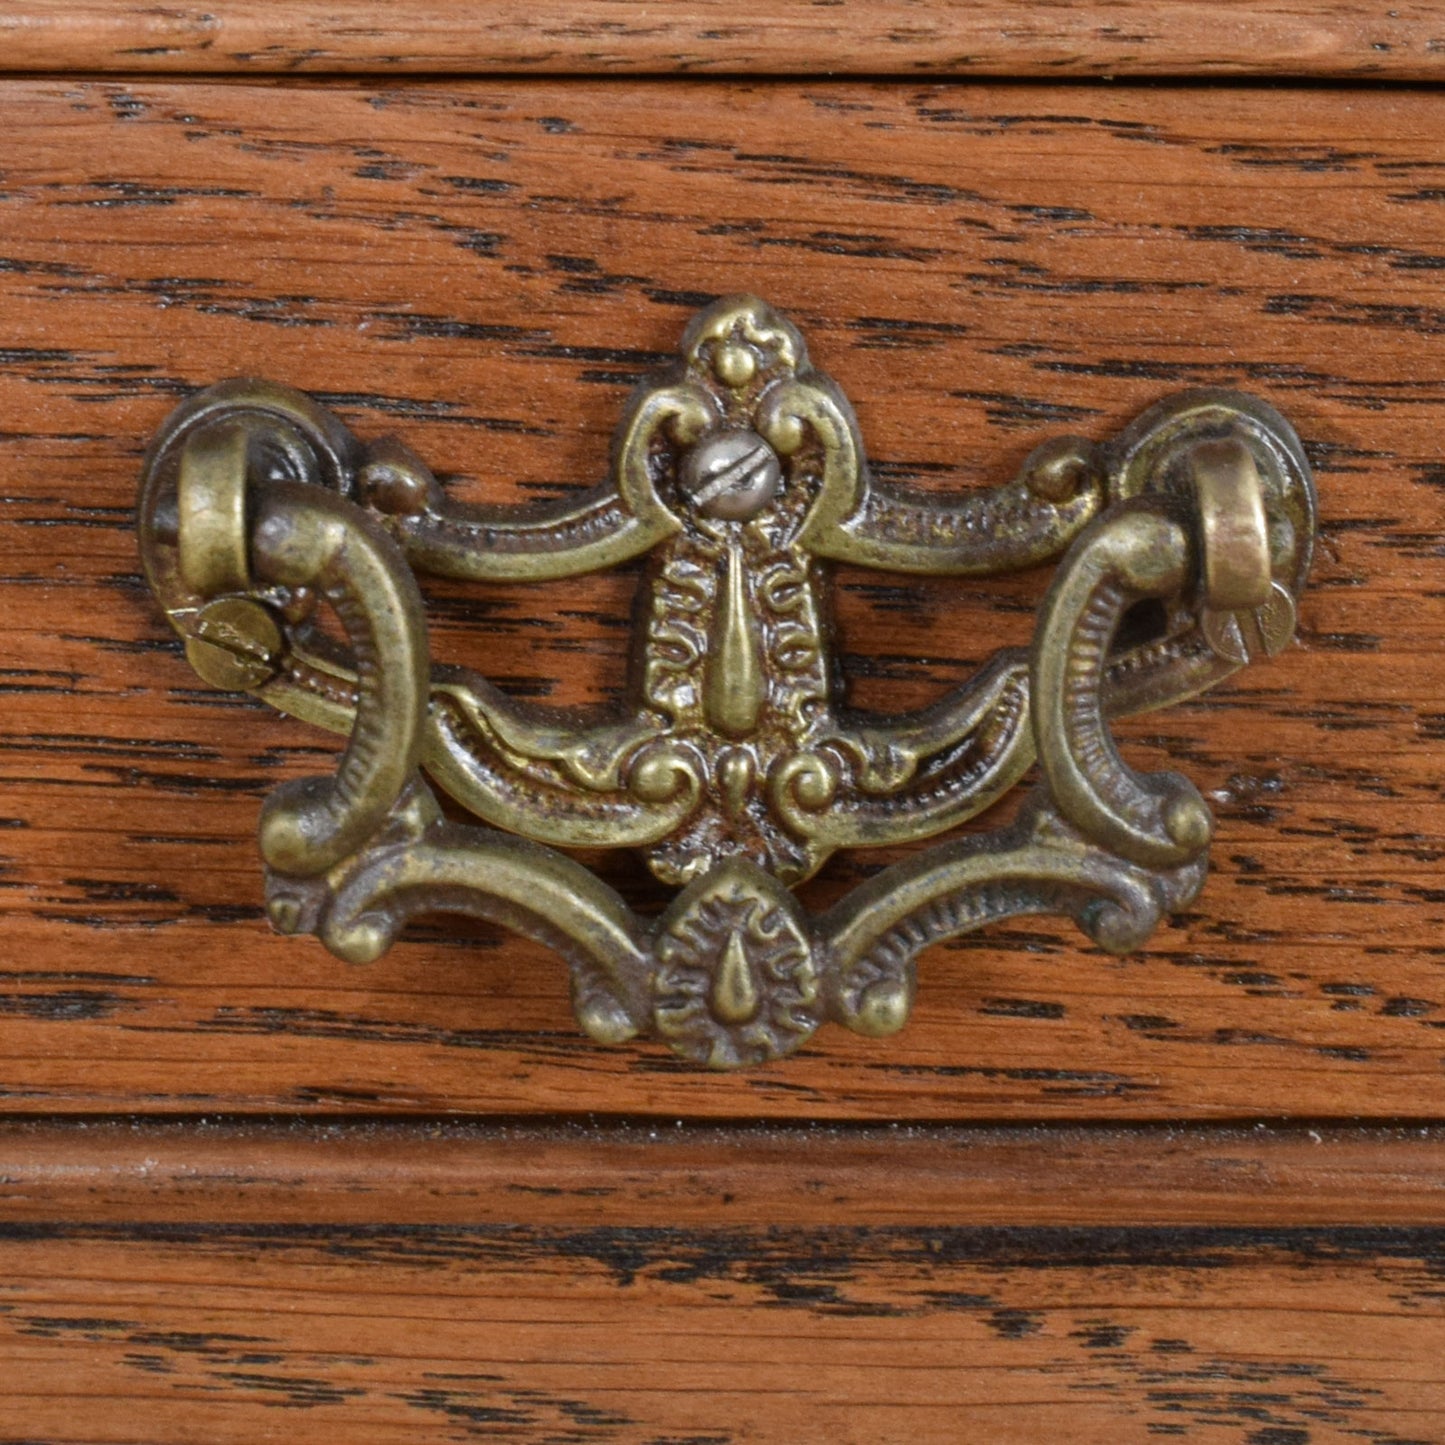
486 269
1305 38
570 1176
656 1336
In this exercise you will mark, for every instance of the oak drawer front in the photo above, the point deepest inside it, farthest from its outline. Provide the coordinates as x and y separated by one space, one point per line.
538 1333
486 270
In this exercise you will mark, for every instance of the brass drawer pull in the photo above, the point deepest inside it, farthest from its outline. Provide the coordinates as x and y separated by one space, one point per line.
735 766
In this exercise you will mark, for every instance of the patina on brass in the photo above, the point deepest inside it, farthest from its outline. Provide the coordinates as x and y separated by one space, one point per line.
735 766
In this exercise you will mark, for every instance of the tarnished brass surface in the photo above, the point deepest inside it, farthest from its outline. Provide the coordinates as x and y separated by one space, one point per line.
735 765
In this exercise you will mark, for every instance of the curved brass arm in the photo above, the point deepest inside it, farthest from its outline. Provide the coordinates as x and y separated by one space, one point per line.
734 763
1041 864
1124 558
603 527
986 531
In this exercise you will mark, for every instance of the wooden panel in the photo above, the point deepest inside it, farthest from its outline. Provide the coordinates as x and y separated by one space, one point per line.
438 1173
231 1334
487 269
1336 38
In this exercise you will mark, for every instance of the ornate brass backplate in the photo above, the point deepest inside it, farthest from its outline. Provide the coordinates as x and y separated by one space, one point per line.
736 766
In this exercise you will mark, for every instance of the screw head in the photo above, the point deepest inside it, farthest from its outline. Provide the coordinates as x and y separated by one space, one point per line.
1241 637
732 475
236 644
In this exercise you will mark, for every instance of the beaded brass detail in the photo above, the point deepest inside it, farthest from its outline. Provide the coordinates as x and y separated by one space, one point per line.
735 765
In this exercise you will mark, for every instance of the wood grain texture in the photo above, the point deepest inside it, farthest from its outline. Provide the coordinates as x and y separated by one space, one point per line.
486 270
1305 38
657 1336
422 1173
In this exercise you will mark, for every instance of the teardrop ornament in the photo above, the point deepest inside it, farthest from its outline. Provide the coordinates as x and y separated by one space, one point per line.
734 991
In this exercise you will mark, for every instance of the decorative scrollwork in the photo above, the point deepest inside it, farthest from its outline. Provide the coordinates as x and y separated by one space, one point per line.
734 765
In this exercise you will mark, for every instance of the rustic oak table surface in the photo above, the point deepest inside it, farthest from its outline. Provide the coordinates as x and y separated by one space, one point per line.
249 1191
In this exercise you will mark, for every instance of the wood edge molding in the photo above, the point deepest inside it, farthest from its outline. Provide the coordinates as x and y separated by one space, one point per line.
112 1172
1322 39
